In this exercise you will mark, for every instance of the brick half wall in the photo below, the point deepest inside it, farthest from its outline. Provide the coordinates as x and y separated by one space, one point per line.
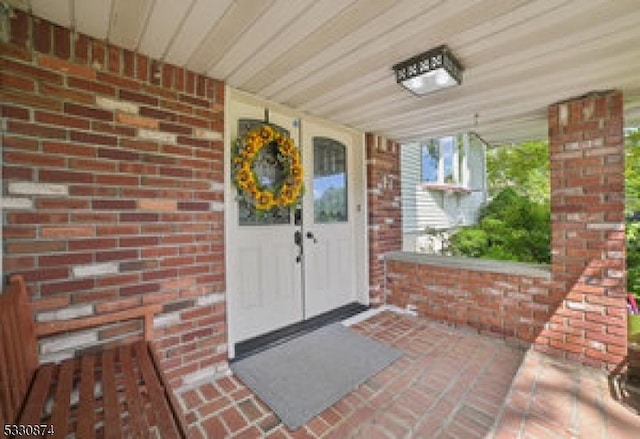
495 297
113 191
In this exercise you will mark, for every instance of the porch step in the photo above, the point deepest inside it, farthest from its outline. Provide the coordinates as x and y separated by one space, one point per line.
263 342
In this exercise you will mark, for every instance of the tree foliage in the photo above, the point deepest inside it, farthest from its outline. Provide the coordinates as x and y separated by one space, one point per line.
633 257
511 227
632 209
632 172
524 167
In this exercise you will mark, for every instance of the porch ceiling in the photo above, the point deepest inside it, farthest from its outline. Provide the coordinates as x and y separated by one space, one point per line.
333 58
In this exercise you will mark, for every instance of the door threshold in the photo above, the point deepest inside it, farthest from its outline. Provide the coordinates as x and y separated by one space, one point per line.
263 342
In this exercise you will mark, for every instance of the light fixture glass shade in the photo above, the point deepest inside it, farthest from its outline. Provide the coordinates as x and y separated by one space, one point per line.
430 71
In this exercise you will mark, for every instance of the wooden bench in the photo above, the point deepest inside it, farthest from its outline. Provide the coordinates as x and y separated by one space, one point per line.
115 393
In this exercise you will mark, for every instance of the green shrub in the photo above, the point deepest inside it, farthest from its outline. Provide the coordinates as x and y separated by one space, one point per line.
510 227
633 258
470 241
632 206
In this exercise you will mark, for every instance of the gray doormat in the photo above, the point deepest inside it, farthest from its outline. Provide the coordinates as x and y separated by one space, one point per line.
302 377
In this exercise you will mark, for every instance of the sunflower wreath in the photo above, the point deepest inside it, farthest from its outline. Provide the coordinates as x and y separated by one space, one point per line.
283 193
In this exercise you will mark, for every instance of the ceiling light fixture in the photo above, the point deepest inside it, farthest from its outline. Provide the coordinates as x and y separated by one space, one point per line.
430 71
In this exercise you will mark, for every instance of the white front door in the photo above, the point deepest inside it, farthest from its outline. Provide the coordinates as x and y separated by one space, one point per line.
328 225
265 271
273 282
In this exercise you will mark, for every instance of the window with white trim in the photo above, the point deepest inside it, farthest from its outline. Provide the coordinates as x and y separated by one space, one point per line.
443 186
444 161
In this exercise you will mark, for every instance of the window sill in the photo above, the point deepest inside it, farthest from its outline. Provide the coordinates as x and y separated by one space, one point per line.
446 188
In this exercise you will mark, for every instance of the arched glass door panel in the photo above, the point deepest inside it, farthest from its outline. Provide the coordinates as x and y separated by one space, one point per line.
329 181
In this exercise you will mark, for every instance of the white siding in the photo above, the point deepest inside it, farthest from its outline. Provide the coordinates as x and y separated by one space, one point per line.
423 208
409 178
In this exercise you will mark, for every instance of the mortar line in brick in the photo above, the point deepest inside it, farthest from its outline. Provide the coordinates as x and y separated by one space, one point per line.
440 397
574 405
540 373
506 402
604 415
200 429
532 396
464 396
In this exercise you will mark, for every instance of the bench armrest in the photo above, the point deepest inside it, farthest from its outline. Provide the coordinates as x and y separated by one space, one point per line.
44 329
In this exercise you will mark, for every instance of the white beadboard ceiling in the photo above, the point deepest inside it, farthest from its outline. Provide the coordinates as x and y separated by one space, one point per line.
333 58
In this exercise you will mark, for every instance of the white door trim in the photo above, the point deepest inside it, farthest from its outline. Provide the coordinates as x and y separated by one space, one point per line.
360 200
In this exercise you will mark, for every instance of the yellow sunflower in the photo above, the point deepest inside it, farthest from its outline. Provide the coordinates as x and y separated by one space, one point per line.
265 201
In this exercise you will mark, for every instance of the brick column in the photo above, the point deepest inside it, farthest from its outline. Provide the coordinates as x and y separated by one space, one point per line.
385 215
587 216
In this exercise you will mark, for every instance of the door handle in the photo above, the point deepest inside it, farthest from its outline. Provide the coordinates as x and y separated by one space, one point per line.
297 239
310 235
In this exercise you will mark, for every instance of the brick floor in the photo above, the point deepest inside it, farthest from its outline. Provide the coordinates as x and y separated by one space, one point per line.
451 383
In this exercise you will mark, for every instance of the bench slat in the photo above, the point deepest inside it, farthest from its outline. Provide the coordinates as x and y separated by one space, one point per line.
26 327
20 310
134 403
7 397
110 397
86 413
62 399
18 359
32 413
15 358
158 400
174 405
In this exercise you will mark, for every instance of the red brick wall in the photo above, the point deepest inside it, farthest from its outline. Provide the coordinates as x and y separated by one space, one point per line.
514 306
579 312
385 213
113 190
587 212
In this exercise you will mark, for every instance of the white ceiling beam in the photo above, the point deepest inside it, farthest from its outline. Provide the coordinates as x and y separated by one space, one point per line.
273 22
57 11
385 18
501 24
23 5
339 27
404 41
92 17
128 21
164 20
283 47
203 15
237 18
339 96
